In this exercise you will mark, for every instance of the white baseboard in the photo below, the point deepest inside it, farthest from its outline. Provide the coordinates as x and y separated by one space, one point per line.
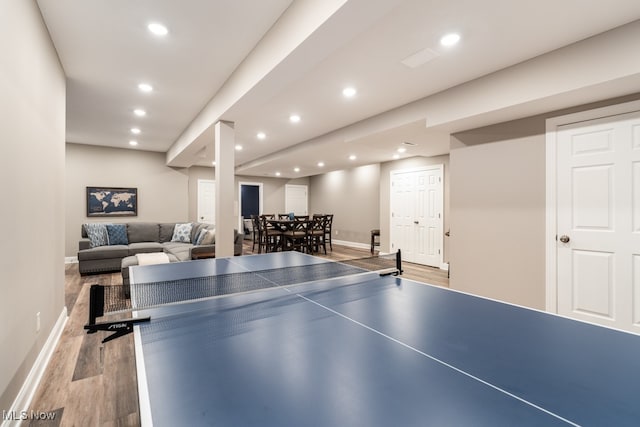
444 266
352 244
71 260
25 396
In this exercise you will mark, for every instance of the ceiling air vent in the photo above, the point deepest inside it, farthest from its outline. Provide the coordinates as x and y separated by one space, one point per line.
420 58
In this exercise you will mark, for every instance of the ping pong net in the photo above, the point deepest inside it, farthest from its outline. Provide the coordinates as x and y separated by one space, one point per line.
111 299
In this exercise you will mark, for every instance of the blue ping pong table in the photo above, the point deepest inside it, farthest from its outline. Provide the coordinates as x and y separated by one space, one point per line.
366 350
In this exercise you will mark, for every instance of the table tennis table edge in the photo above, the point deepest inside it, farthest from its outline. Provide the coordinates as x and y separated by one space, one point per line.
144 403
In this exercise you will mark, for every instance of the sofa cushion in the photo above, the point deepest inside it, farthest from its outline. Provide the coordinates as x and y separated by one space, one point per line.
97 233
144 248
209 238
200 236
143 232
103 252
196 228
182 251
166 231
127 262
131 261
117 234
182 233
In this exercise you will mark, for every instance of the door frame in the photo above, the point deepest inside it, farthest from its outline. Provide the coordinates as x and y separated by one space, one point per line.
551 222
440 167
260 192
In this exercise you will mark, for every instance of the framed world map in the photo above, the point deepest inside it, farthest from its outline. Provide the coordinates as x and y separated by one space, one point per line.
112 201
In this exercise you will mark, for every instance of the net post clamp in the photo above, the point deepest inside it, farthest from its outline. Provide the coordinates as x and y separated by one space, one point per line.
119 328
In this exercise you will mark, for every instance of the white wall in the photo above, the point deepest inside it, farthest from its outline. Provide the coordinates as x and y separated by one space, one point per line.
498 218
497 243
353 197
162 191
32 134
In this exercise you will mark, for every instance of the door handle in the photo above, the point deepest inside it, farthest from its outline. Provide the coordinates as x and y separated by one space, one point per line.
564 238
416 222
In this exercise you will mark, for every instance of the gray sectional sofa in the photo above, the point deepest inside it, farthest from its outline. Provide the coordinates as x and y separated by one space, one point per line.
143 237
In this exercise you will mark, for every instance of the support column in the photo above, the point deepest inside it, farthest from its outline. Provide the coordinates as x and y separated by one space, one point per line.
225 175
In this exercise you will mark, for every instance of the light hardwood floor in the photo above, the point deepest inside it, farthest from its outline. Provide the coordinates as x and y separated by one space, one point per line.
88 383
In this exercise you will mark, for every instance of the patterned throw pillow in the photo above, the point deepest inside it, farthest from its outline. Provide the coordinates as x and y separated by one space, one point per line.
209 238
117 234
200 236
97 234
182 233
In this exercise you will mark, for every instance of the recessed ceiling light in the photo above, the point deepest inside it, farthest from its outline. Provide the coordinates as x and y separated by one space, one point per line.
402 150
135 131
277 173
133 143
213 163
261 135
348 92
296 169
320 164
139 112
145 87
294 118
158 29
238 147
396 156
352 157
450 39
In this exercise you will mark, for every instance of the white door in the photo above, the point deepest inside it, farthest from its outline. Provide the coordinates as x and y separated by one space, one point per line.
598 221
416 215
207 201
402 214
296 200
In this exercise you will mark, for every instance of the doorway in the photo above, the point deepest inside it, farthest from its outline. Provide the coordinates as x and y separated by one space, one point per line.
296 199
207 201
250 201
417 221
593 224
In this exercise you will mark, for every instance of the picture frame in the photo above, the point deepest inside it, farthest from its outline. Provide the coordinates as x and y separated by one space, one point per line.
112 201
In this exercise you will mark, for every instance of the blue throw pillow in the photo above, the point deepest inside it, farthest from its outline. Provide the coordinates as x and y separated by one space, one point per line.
97 234
117 234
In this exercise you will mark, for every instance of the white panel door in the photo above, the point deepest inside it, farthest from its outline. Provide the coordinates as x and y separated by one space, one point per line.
296 200
430 205
207 201
416 215
598 221
402 215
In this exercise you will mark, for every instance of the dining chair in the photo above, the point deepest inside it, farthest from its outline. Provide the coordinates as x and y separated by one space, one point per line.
328 229
317 233
297 235
272 236
255 231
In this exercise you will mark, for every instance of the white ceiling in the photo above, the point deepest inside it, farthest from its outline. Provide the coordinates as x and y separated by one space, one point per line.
106 51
